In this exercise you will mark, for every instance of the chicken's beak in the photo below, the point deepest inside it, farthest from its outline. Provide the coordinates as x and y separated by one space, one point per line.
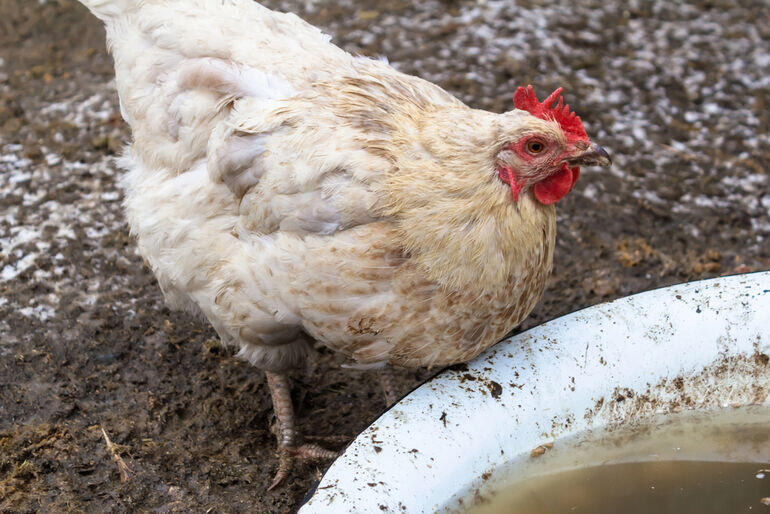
594 155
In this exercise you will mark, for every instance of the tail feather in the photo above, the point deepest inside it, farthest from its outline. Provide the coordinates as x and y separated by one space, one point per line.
106 10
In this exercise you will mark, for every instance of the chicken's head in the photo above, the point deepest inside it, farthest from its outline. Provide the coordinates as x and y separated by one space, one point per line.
546 155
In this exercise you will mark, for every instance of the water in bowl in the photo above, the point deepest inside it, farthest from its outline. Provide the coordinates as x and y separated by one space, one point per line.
716 462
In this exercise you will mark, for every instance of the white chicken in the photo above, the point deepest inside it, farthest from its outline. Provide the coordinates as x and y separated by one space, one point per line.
290 191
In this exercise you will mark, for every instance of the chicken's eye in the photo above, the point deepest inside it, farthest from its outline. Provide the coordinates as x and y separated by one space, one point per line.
535 147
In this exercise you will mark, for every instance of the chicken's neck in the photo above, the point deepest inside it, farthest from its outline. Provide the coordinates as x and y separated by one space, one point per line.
477 244
490 251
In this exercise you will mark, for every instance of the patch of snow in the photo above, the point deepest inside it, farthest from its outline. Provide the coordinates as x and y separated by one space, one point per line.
13 270
40 312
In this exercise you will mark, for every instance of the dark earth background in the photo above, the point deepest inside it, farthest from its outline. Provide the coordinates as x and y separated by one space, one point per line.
678 92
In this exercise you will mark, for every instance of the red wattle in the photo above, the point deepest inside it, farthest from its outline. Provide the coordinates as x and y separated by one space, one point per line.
575 175
556 187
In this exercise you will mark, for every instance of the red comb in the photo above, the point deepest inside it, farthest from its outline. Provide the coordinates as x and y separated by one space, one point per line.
570 123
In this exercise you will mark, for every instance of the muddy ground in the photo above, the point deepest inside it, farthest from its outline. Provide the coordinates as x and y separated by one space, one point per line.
679 94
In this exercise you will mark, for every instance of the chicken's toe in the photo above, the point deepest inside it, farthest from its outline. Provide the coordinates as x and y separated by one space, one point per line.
287 456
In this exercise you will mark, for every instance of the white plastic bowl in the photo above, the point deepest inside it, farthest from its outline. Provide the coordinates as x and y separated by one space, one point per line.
699 346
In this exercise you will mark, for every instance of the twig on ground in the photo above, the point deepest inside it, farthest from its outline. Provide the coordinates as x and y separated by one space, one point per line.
123 469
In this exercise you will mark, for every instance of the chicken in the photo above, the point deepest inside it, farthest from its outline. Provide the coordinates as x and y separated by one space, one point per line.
291 192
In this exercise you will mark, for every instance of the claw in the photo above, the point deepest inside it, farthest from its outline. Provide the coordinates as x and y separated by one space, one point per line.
284 466
333 439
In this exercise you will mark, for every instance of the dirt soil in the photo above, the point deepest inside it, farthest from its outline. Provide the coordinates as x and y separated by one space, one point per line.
679 94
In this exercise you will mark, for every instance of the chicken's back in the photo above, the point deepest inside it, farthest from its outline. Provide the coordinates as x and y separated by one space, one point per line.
178 63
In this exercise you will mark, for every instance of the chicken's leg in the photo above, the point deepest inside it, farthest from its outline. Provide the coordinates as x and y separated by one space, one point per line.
287 448
387 382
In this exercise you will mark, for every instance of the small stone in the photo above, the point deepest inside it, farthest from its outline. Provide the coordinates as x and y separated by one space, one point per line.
368 15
